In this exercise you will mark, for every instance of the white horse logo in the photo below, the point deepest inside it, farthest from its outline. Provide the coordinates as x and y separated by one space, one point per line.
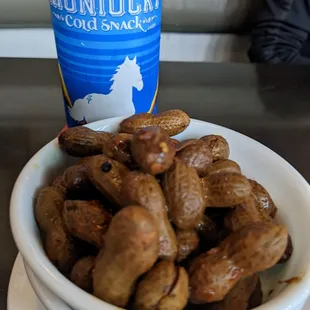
118 102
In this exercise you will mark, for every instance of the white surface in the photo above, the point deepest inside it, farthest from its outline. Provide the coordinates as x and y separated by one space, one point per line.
48 299
21 295
289 190
40 43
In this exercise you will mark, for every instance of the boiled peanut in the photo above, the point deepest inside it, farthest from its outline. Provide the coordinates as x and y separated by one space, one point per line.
59 246
131 247
175 142
106 174
238 298
249 212
173 122
198 156
119 148
222 166
184 195
76 178
59 184
225 189
188 241
164 287
86 220
263 198
218 145
82 273
152 150
185 143
82 141
249 250
48 208
244 214
143 190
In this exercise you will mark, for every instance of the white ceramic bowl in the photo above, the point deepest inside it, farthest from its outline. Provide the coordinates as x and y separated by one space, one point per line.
289 190
47 298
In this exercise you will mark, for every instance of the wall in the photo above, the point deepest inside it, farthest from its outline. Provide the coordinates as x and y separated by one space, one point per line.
217 25
178 15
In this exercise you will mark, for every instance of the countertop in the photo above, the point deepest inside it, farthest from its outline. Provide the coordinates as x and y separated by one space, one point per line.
270 104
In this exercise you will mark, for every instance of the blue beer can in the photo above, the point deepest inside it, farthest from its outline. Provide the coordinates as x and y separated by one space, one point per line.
108 55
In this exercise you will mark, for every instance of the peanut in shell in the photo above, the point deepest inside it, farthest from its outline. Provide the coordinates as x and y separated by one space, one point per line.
106 175
172 121
143 189
218 145
184 195
82 141
131 247
263 198
188 241
222 166
251 249
225 189
119 148
82 273
196 155
152 150
164 287
86 220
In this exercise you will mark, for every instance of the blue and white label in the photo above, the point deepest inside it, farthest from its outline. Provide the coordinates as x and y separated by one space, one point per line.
108 53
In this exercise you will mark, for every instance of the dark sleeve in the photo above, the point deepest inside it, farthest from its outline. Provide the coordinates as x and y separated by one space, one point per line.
280 32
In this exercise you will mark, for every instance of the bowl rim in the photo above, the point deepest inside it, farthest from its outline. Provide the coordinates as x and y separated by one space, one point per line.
49 275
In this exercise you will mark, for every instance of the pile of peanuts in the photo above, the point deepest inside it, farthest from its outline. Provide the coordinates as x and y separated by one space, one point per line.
144 221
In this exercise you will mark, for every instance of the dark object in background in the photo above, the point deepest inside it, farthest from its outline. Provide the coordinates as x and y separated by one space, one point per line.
280 33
